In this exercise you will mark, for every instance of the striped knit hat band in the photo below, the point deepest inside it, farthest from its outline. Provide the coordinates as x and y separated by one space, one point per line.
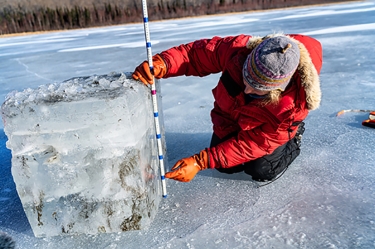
271 64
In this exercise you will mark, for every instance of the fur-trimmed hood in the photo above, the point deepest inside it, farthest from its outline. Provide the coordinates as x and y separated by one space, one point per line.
306 69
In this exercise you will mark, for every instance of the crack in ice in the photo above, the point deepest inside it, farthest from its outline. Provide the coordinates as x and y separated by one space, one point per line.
31 72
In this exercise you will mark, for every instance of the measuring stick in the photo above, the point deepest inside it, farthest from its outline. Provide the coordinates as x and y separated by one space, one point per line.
154 99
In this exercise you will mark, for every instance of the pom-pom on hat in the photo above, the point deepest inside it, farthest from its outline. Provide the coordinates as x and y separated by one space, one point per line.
271 64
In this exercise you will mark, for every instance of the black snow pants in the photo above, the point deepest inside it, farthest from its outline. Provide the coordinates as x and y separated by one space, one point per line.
269 166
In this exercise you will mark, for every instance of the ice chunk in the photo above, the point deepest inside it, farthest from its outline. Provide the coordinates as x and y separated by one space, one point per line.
84 155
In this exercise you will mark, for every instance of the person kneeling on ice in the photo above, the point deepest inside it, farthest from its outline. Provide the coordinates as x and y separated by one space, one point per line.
266 89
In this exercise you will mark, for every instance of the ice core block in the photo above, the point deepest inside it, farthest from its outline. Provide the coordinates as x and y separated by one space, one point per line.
84 155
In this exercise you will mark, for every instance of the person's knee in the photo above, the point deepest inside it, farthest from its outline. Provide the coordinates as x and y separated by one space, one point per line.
260 170
231 170
269 167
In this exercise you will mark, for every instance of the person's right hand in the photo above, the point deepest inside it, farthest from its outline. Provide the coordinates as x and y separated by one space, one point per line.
143 73
186 169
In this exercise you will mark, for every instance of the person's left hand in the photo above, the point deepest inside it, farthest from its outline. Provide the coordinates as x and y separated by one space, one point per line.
186 169
143 73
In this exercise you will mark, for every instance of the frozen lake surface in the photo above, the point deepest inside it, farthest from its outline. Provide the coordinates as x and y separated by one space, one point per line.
326 199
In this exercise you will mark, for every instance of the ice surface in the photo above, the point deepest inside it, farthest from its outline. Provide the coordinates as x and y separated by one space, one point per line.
326 198
84 155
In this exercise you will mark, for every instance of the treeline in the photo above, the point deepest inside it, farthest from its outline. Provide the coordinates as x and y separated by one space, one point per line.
31 18
44 19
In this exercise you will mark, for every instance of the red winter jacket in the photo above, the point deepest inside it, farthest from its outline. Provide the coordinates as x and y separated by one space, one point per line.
259 129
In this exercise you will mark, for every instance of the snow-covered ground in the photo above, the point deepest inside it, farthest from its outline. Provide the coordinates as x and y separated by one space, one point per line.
326 199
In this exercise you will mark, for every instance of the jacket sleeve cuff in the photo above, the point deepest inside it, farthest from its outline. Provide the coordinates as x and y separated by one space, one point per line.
166 63
211 164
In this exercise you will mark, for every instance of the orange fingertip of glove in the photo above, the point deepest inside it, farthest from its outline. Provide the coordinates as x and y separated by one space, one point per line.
178 176
186 169
143 73
136 77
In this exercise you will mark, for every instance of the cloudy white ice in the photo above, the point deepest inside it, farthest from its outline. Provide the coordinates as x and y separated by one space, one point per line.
326 199
84 155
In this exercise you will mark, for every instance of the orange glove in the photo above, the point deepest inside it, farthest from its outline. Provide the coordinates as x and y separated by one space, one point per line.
186 169
143 73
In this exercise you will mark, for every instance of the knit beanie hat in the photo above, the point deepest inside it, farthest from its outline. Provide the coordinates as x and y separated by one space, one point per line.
271 64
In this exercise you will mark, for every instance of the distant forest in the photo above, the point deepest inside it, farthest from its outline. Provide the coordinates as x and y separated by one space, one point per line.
17 16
